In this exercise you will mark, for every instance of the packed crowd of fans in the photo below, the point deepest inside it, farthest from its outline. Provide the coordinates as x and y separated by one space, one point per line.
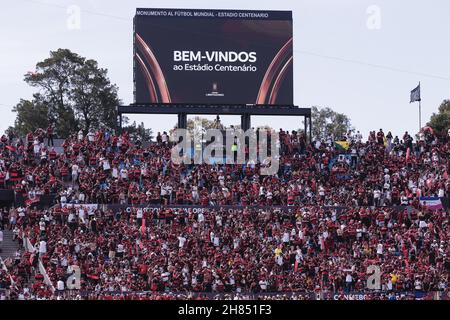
339 216
240 251
105 168
236 250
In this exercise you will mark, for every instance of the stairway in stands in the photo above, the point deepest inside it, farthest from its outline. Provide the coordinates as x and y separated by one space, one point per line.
9 249
57 144
9 246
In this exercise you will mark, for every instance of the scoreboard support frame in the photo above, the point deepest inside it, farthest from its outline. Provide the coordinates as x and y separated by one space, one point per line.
245 111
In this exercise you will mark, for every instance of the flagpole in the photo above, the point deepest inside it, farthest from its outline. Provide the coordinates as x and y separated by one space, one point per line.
420 114
420 108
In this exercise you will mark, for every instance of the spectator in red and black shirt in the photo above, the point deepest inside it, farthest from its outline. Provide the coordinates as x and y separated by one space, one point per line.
50 132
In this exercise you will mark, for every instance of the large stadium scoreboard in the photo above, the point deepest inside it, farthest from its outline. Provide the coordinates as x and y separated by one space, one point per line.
213 56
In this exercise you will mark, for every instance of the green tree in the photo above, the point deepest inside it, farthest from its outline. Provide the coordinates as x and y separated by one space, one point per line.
31 115
144 134
76 92
11 132
95 98
440 122
326 122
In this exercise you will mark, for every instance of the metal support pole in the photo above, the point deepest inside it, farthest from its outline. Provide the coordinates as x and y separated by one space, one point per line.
305 124
182 120
420 115
120 123
245 121
310 130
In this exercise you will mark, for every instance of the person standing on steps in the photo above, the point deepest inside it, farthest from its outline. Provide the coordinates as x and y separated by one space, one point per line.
50 132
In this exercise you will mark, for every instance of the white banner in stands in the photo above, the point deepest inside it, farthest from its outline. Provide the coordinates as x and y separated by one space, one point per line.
90 206
27 245
46 277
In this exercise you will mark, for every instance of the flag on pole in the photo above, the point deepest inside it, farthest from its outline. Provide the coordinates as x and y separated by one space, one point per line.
32 73
32 200
342 145
415 94
432 203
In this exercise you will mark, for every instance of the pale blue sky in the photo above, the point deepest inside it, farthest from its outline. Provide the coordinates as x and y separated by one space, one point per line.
338 61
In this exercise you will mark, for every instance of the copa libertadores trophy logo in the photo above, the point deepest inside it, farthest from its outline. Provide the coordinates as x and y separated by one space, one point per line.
215 92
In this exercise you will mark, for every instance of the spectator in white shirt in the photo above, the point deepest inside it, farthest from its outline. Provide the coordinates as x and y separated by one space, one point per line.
60 285
91 136
181 242
75 170
42 247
